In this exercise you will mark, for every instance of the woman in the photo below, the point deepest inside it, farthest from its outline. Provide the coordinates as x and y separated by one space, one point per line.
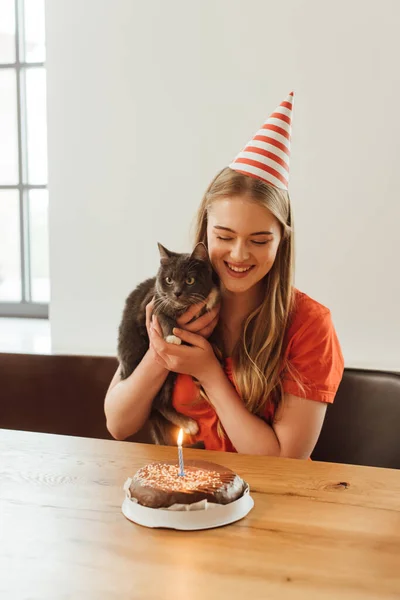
275 345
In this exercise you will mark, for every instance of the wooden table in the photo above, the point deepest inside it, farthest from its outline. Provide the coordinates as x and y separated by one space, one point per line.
317 530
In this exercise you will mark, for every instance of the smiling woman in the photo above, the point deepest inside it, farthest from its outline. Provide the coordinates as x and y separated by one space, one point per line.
261 383
277 346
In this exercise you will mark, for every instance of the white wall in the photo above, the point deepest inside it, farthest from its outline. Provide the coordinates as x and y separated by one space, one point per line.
148 100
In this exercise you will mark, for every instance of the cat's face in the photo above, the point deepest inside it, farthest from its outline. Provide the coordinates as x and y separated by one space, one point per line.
184 278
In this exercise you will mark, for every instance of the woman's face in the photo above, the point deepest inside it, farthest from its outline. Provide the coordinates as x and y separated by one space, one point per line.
243 239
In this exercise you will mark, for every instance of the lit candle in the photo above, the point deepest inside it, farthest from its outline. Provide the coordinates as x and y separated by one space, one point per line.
180 453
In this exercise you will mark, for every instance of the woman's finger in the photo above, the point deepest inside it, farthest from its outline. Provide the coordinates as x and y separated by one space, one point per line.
202 322
149 310
157 326
207 331
191 312
189 337
161 346
156 340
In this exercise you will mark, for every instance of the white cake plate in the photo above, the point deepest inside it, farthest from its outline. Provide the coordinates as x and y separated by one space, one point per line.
209 516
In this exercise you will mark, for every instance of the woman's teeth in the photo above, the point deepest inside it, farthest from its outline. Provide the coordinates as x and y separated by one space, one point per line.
238 269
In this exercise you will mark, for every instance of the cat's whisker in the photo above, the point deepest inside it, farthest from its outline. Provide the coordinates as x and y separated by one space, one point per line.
162 296
195 298
161 306
167 302
158 301
162 303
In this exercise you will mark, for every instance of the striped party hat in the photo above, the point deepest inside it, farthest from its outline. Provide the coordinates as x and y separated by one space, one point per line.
266 156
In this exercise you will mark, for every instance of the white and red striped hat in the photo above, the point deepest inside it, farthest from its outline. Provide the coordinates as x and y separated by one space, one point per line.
266 156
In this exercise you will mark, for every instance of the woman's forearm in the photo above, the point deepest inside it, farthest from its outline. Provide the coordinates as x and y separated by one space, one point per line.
128 402
248 433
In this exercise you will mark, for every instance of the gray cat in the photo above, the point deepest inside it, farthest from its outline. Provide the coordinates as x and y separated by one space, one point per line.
182 280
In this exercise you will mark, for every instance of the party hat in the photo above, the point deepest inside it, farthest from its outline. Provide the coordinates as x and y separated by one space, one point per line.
266 156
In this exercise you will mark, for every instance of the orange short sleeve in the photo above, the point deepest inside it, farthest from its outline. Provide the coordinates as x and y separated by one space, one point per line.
313 350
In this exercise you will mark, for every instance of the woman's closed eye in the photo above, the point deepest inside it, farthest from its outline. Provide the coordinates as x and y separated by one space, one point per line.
257 243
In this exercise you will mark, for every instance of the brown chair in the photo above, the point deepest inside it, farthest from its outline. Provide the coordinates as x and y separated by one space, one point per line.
362 426
65 395
57 394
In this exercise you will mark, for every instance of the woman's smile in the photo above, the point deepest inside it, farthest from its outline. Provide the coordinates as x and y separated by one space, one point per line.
238 271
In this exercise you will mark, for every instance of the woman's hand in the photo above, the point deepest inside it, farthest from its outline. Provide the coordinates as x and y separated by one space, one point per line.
149 325
149 312
197 360
204 325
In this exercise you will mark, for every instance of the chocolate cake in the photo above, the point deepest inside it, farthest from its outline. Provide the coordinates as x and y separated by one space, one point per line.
159 485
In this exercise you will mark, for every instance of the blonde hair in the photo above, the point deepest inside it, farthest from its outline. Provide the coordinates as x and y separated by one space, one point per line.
257 358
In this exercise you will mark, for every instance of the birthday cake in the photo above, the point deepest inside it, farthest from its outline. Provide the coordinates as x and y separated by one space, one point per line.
159 484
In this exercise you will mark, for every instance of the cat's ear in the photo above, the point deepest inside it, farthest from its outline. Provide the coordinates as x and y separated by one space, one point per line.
165 254
200 252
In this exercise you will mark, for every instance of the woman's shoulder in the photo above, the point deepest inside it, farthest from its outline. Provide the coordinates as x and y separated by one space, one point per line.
307 311
313 350
307 305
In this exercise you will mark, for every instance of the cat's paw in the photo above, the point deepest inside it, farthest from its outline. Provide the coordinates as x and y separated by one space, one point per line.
172 339
191 427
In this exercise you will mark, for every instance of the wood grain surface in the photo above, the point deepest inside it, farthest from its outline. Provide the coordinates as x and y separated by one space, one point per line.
317 530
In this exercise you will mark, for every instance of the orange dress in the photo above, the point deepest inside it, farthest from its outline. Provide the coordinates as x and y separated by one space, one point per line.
311 346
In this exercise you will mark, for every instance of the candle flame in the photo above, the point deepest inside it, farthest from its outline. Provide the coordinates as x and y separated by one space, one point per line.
180 437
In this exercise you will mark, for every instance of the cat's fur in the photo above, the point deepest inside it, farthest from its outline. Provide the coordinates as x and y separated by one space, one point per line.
172 297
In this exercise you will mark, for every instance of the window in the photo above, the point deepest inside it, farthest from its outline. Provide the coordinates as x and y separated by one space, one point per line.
24 268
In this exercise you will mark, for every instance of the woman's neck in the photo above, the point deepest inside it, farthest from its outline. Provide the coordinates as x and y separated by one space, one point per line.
236 307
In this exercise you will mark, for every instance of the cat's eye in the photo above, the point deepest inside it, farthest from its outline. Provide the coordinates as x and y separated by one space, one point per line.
190 280
169 280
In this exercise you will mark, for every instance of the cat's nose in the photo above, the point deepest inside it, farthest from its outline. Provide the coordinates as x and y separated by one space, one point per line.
177 294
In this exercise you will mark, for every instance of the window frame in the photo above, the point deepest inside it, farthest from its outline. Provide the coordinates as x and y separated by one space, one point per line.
25 307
